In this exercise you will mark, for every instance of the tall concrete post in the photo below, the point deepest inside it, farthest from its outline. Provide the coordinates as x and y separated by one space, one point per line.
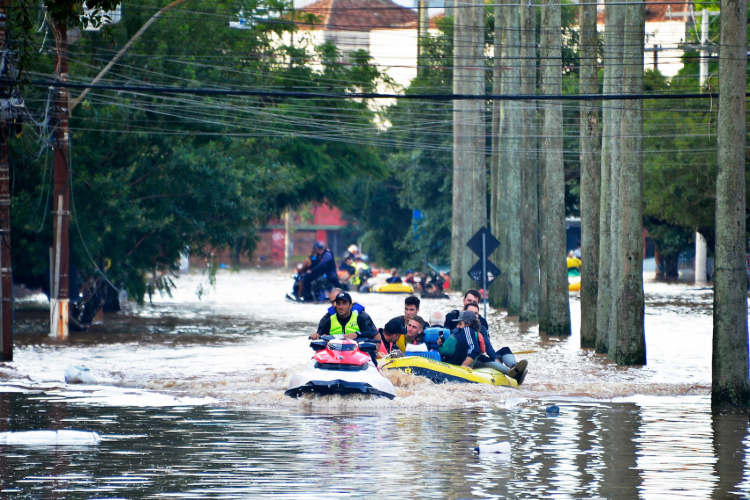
701 249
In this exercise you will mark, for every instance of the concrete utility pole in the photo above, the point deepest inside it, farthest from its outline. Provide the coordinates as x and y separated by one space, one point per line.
701 248
729 364
288 244
6 284
423 25
59 294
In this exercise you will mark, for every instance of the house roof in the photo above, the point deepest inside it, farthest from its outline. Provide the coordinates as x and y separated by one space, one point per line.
361 15
656 12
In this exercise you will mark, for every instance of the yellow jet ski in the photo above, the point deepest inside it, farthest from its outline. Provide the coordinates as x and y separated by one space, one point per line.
440 372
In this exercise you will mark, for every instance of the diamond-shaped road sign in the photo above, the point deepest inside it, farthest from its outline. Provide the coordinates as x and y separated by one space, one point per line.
475 273
490 243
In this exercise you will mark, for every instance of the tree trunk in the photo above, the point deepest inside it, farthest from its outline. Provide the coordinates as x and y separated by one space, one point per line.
499 213
631 339
590 175
512 141
614 31
469 164
554 192
729 379
530 181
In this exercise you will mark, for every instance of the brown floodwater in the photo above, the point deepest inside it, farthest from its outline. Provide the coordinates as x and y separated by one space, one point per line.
189 400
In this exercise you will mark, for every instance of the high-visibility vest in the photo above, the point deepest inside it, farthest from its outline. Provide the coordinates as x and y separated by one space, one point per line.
351 326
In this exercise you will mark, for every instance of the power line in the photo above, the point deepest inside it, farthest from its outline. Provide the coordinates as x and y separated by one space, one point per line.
364 95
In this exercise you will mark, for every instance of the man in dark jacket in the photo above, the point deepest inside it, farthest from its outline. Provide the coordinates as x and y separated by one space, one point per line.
323 264
462 347
503 361
346 322
471 297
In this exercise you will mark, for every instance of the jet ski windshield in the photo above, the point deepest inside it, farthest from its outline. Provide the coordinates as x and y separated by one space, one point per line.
337 345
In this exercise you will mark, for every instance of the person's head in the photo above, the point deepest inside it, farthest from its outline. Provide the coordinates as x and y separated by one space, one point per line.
319 247
466 318
414 327
343 304
392 330
411 307
475 309
571 254
348 260
394 272
353 249
472 296
437 318
408 273
333 293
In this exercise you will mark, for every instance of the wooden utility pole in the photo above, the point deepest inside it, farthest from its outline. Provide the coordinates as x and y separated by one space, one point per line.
630 345
469 167
512 127
558 309
613 34
59 294
530 170
498 188
6 279
729 377
590 174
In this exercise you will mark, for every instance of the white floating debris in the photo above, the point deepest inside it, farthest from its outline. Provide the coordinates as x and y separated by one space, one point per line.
501 447
79 375
513 402
50 438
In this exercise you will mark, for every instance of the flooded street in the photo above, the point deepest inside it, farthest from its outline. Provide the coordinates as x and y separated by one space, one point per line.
189 402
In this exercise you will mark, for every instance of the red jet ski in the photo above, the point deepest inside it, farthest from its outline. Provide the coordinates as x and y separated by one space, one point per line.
341 366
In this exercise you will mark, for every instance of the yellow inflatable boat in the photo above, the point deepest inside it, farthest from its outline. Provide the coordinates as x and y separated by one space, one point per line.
393 288
440 372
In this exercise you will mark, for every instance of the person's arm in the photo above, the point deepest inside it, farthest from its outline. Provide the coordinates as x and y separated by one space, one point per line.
471 347
324 327
490 351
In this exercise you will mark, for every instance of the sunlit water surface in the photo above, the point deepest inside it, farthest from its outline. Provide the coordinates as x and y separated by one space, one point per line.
190 401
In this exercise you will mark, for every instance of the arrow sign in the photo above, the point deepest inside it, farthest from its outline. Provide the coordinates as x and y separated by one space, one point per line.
475 272
475 243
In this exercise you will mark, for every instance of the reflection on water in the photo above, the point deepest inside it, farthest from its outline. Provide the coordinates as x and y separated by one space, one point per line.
650 448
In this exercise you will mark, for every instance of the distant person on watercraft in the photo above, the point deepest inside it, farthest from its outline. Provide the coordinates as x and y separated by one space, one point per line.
471 296
395 278
503 361
462 347
391 342
322 263
346 322
577 252
347 270
411 309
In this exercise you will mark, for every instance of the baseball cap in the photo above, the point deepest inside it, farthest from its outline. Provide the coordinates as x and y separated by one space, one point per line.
466 317
344 296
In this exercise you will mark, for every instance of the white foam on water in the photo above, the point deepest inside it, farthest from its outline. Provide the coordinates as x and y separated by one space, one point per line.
64 437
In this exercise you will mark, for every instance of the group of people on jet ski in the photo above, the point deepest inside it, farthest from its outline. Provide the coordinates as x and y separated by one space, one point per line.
465 339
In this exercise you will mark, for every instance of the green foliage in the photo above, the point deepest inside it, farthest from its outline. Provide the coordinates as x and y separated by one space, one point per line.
152 176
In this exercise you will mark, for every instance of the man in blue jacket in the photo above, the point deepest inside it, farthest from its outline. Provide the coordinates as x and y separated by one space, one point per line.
462 347
323 264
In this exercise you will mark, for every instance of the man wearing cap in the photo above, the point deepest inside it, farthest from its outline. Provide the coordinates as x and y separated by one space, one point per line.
462 347
346 322
356 307
322 264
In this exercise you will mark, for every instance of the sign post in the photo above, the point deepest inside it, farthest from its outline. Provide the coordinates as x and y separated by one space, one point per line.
483 272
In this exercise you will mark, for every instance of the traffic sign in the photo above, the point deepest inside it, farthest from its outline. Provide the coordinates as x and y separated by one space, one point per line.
491 269
475 243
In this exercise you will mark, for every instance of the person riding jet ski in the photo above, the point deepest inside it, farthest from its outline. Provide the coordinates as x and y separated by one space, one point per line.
321 263
346 323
